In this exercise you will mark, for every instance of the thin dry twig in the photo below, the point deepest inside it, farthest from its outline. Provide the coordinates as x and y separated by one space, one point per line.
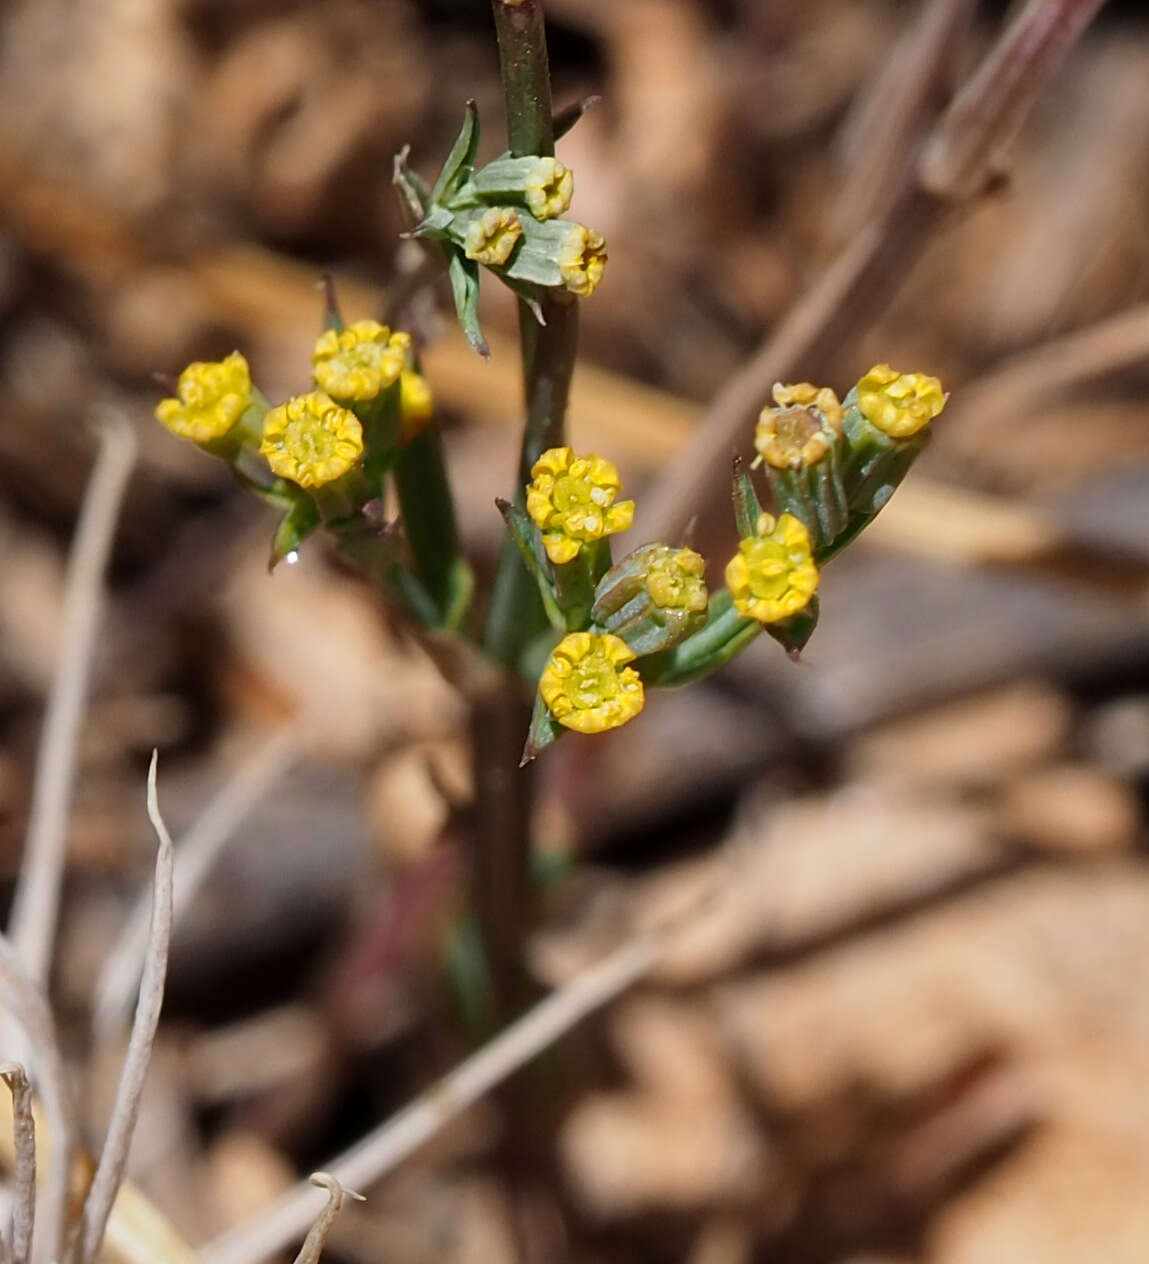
36 904
959 160
113 1159
316 1239
393 1141
195 856
24 1170
22 998
886 123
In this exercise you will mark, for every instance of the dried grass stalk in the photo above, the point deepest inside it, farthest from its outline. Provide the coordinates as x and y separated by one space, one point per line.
24 1175
114 1157
36 905
316 1239
22 999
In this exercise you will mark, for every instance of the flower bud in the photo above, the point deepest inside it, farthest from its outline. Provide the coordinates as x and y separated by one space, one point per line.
773 576
414 402
571 500
799 441
311 440
886 425
542 184
359 362
212 397
654 598
491 235
587 684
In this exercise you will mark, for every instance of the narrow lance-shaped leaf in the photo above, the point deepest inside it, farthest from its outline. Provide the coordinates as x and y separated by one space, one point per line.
461 159
464 275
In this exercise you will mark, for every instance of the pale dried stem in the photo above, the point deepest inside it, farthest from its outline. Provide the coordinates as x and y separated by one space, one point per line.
1029 377
958 161
114 1157
393 1141
316 1239
881 136
36 904
24 1168
195 857
22 1000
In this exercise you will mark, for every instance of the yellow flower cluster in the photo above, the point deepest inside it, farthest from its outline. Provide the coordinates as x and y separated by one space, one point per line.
549 189
587 684
492 236
582 260
358 362
773 576
799 428
676 579
311 440
899 404
571 501
212 396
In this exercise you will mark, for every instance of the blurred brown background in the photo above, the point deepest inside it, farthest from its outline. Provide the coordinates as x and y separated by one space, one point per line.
913 1023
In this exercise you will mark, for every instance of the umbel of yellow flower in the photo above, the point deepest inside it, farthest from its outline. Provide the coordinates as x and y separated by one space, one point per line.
311 440
549 188
773 576
571 501
899 404
213 395
799 429
587 684
582 260
359 361
491 236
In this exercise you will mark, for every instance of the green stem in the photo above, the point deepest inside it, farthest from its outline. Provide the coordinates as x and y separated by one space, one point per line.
549 350
429 516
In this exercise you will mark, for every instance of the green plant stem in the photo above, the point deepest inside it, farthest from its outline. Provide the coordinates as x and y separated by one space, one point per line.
501 879
549 350
428 511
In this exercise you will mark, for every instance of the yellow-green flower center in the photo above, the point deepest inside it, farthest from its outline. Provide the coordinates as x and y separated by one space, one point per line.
549 189
491 237
899 404
773 576
571 500
675 580
212 396
582 260
587 684
360 361
311 440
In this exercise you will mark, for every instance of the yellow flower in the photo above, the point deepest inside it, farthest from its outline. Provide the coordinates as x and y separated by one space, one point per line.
675 579
414 402
899 404
800 428
773 576
582 260
587 684
311 440
549 189
491 237
571 500
358 362
212 397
